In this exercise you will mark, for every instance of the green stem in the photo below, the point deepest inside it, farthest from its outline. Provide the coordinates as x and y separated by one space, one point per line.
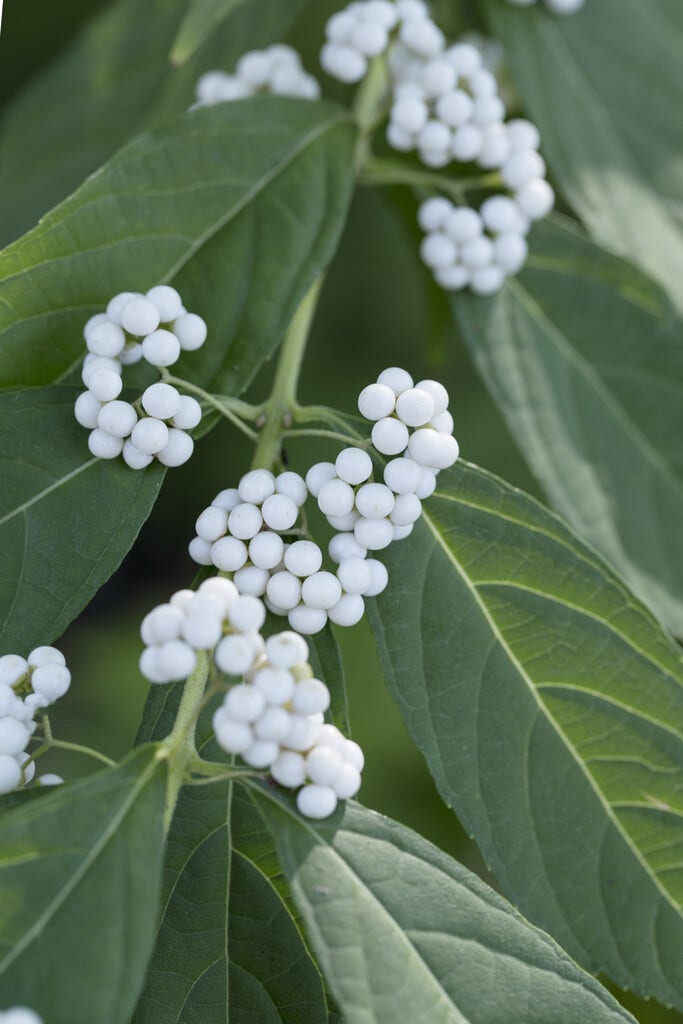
369 108
180 746
331 435
232 408
77 748
282 399
390 172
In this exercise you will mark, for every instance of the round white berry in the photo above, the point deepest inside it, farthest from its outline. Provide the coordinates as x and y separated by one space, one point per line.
140 317
467 142
86 410
276 684
438 393
353 755
202 632
422 36
117 418
437 250
427 484
162 624
256 486
105 384
369 38
251 580
176 659
407 510
161 348
443 423
500 214
535 200
376 401
293 486
318 475
216 587
45 656
415 407
478 253
344 523
103 445
511 252
343 546
285 650
379 578
522 167
284 590
307 620
244 703
455 108
395 378
402 475
310 697
149 435
245 521
167 301
410 114
353 465
340 26
321 590
131 354
161 401
14 736
374 534
523 134
323 765
177 450
134 458
452 278
149 666
201 552
336 498
289 769
247 614
431 217
235 655
106 339
233 737
212 523
50 779
354 575
262 753
303 558
347 783
487 280
495 148
279 512
95 321
273 725
348 610
189 413
266 550
374 501
227 499
464 225
228 554
316 802
343 62
10 774
303 731
190 330
390 436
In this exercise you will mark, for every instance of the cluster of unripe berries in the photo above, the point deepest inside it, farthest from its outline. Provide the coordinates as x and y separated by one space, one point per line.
251 532
357 34
19 1015
156 328
274 718
556 6
27 686
464 247
277 70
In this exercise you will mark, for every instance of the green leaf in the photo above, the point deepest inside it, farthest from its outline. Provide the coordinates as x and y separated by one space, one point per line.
584 356
80 874
66 519
549 706
113 81
605 89
404 933
229 944
241 205
201 19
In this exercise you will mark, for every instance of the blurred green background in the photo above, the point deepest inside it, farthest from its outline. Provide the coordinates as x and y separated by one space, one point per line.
378 309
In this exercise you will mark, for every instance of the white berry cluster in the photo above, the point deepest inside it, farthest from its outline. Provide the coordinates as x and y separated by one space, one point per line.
274 717
275 720
357 34
155 327
276 70
556 6
27 685
19 1015
251 533
468 248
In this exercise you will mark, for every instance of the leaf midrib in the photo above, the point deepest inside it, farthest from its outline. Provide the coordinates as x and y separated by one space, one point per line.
517 665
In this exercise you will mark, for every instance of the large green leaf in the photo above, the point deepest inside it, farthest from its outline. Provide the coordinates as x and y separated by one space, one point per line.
605 89
405 933
80 876
549 706
111 83
66 519
229 943
202 18
241 205
584 356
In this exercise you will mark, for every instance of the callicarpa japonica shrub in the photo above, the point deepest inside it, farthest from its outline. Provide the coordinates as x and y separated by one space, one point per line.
456 227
